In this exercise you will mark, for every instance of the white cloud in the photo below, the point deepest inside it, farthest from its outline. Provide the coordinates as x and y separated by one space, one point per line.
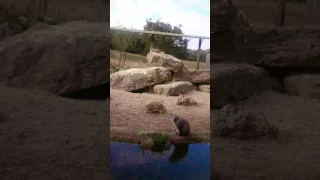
194 16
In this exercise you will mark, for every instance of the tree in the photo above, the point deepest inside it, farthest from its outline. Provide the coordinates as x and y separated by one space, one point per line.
176 46
120 41
313 12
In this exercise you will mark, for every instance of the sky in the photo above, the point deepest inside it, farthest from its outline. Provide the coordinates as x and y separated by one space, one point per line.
193 15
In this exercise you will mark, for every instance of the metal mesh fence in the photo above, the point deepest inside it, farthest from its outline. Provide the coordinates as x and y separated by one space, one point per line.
62 10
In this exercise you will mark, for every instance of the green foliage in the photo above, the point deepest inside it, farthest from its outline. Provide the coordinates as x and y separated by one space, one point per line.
193 55
121 41
159 139
176 46
140 43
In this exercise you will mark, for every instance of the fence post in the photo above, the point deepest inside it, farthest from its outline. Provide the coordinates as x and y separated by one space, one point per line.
281 13
208 62
198 55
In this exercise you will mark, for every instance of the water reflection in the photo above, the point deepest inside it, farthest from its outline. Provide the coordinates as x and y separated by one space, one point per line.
180 151
182 161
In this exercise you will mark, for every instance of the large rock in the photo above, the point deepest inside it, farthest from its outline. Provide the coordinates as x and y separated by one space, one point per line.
306 85
194 76
235 81
135 79
174 88
62 59
199 77
242 124
186 101
223 15
165 60
182 75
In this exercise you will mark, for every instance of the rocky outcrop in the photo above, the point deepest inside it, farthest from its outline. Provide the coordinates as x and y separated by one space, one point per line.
135 79
241 124
194 76
185 101
165 60
199 77
174 88
235 81
305 85
62 59
182 75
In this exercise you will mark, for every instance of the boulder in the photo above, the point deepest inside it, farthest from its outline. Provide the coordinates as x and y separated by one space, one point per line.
185 101
236 81
242 124
204 88
165 60
173 88
155 108
182 75
62 58
223 15
305 85
194 76
135 79
199 77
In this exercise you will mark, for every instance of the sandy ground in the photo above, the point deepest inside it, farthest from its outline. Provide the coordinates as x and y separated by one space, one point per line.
128 117
48 137
295 156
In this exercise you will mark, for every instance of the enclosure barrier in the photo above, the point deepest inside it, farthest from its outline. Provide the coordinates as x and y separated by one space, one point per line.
153 33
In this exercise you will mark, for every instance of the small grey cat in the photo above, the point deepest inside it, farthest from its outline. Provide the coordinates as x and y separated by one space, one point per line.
182 126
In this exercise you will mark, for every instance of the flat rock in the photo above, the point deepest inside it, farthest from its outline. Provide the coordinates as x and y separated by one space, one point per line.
194 76
165 60
236 81
135 79
199 77
204 88
305 85
61 59
174 88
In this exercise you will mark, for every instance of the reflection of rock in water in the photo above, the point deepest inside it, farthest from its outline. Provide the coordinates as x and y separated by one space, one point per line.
180 151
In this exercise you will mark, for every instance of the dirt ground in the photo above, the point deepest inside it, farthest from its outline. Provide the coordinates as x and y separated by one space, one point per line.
294 156
128 117
48 137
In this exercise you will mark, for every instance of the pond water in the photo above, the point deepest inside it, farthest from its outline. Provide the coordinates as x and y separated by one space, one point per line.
183 161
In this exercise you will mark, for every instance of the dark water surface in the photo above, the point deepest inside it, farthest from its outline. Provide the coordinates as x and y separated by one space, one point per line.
184 161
